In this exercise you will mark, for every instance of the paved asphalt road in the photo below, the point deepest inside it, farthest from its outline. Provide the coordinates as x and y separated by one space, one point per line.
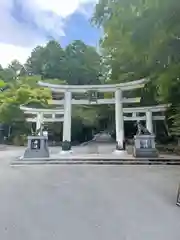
88 202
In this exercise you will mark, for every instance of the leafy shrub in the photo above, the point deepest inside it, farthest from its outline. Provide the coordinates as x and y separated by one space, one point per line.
20 140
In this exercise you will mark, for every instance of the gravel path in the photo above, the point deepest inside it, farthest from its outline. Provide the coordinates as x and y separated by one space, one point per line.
88 202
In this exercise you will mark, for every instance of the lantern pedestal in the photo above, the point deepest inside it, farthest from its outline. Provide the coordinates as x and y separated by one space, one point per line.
37 147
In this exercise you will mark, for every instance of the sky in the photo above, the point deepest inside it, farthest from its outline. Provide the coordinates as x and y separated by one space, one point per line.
24 24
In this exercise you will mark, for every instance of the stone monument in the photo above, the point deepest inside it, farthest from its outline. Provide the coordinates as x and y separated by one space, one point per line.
37 146
144 143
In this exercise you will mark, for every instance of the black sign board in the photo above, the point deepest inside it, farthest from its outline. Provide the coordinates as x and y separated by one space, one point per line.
35 144
178 197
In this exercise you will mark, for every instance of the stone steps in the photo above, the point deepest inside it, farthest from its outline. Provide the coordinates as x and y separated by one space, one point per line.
97 162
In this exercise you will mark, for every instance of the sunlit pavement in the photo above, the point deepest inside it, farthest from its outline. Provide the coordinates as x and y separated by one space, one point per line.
88 202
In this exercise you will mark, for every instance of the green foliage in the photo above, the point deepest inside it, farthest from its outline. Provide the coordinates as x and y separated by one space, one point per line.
2 84
10 113
141 39
16 66
88 115
22 92
19 140
83 64
175 121
7 74
78 63
140 36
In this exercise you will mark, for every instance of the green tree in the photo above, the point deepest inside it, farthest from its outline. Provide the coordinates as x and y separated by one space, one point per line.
16 66
142 40
76 64
19 94
7 74
83 63
35 62
48 61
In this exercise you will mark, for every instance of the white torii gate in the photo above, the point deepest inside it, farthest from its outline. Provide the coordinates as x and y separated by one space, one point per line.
118 100
43 115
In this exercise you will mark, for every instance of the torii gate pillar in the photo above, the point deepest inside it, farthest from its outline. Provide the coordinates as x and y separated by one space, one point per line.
119 120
